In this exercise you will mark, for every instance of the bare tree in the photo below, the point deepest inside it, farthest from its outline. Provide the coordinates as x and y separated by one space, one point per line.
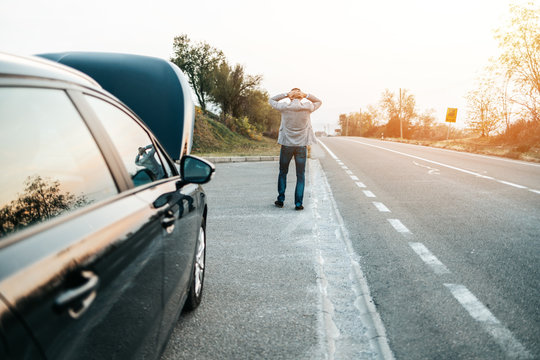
400 112
484 115
519 41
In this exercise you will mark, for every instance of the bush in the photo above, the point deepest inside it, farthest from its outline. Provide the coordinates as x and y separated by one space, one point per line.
242 126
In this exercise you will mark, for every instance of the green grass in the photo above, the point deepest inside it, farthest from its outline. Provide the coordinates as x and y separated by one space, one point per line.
212 138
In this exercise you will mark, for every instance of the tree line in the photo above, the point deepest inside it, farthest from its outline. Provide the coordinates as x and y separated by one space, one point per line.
505 100
243 105
396 115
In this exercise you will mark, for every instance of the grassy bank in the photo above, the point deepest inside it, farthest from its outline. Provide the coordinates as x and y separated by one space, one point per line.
212 138
485 146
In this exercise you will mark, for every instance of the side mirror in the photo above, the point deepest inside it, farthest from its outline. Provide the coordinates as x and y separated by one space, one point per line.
195 170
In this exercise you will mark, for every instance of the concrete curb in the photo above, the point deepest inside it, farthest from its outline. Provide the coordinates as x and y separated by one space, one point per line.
229 159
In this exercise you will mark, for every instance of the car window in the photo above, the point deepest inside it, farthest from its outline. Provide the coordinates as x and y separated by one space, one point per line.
49 160
168 170
132 142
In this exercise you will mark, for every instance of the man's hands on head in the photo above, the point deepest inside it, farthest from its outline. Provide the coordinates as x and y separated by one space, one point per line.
296 94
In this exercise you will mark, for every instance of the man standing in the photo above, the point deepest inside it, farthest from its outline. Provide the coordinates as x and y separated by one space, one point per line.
295 134
148 161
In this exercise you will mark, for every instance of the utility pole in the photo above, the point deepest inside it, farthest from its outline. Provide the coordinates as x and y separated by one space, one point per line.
360 122
400 122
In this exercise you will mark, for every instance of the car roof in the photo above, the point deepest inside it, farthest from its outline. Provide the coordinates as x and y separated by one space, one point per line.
155 89
36 67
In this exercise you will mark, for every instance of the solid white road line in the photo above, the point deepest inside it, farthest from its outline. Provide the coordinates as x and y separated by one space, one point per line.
329 151
360 184
511 346
430 259
440 164
369 193
512 184
380 206
399 226
332 247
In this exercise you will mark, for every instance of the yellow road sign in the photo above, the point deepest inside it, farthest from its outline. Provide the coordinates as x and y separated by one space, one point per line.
451 115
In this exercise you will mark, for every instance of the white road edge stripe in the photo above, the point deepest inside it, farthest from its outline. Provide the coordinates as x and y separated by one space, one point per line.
398 225
512 184
431 260
329 151
441 164
380 206
365 302
511 346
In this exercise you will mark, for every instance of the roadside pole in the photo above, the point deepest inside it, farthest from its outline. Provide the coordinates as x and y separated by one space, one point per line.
451 115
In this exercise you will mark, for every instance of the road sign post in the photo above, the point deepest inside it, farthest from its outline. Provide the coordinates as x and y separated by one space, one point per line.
451 115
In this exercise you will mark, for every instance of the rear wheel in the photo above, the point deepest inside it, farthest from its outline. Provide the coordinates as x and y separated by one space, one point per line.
196 287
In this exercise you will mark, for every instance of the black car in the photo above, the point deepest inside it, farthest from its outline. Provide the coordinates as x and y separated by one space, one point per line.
102 234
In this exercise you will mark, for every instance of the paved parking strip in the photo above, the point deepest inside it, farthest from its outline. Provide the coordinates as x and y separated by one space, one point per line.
280 283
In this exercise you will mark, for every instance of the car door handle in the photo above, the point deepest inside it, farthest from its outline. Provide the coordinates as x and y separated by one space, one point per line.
79 299
169 220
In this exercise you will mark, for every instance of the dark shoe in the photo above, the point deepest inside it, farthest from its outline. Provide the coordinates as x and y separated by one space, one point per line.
299 207
278 203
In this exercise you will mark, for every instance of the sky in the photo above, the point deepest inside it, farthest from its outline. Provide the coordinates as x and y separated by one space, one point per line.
346 52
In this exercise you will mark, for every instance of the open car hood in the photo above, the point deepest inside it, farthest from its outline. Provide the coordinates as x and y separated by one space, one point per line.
155 89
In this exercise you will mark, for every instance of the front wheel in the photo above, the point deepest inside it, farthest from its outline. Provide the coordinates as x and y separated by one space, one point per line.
196 287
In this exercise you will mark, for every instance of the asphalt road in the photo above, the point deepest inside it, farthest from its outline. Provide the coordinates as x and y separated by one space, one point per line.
449 243
280 283
401 252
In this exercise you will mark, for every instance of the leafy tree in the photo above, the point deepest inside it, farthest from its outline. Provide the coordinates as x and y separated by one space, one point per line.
231 88
199 62
256 107
520 44
41 200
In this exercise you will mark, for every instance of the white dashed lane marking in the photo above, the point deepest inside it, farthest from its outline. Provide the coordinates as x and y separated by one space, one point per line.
369 193
381 207
430 259
398 225
511 346
355 178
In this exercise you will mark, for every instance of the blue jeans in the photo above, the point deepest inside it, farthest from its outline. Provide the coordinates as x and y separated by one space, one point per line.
285 156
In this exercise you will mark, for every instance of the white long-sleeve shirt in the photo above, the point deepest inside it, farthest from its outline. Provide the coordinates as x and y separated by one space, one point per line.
295 128
148 161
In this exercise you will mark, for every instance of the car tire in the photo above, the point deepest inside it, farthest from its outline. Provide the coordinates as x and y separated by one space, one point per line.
197 277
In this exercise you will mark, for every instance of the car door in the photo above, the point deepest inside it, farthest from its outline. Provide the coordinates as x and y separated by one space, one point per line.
177 208
81 256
